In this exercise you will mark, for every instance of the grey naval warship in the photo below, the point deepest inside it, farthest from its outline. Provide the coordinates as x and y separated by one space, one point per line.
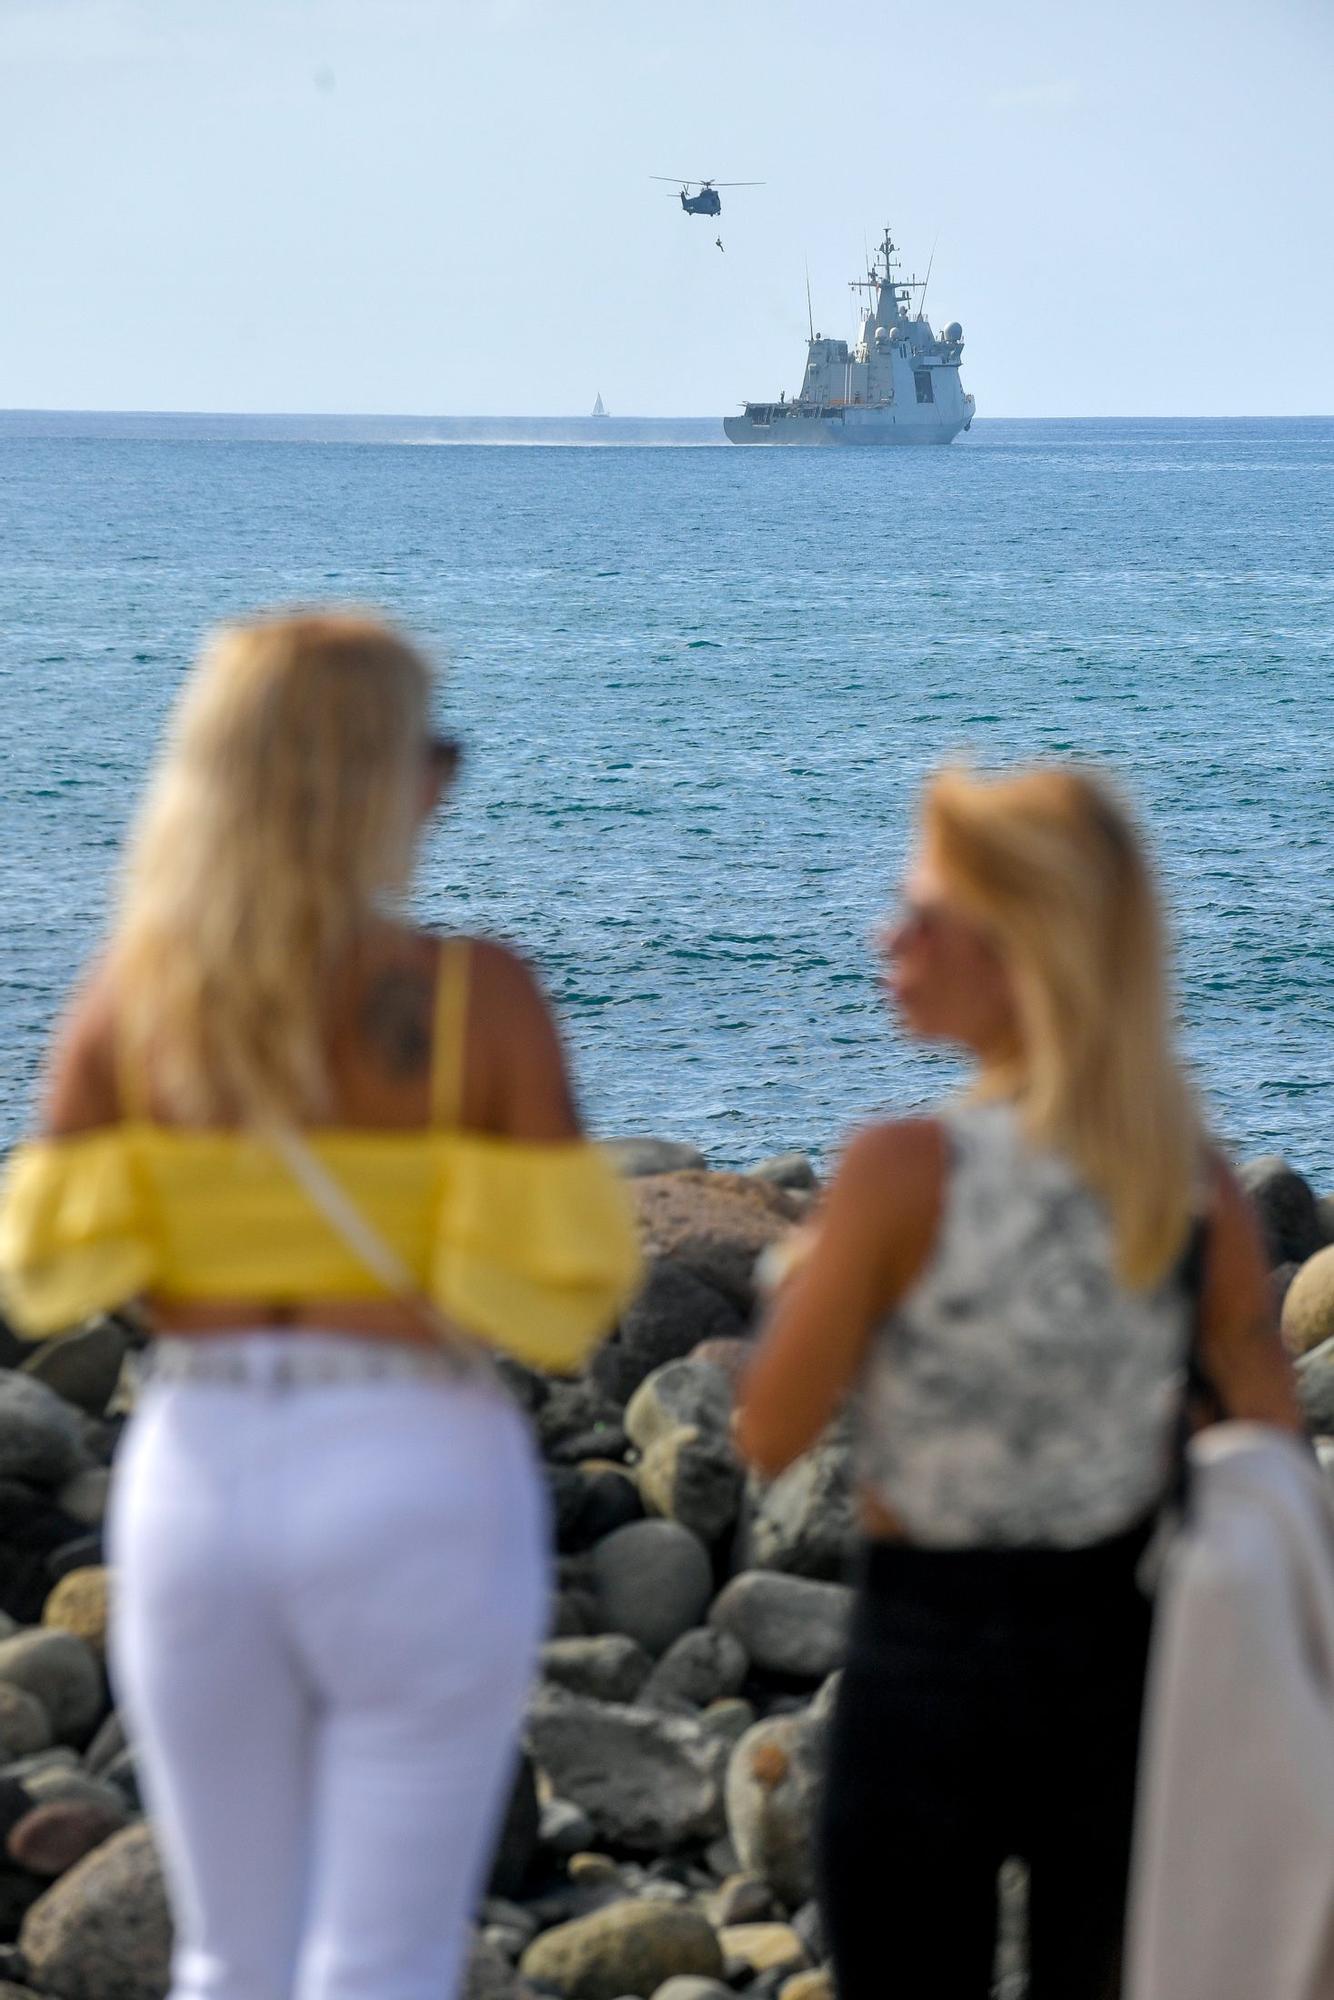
899 384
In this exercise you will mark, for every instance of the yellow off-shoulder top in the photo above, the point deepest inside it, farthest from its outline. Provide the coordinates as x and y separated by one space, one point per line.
528 1246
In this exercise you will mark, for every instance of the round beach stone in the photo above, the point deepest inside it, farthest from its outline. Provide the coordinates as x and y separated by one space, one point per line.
693 1477
84 1498
107 1745
589 1501
40 1435
629 1948
65 1784
652 1580
1315 1387
804 1522
742 1899
633 1157
1286 1206
64 1675
681 1395
53 1837
791 1626
83 1367
566 1828
815 1984
81 1604
786 1170
763 1947
610 1667
682 1986
673 1311
103 1931
700 1667
25 1726
649 1782
716 1224
1308 1307
773 1795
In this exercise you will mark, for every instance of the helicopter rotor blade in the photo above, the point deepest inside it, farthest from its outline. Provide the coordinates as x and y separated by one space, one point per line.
677 180
736 184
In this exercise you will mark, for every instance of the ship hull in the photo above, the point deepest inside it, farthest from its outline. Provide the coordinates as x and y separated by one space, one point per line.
790 425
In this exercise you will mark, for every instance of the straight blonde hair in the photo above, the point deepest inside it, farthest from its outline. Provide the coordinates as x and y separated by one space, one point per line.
1050 864
282 813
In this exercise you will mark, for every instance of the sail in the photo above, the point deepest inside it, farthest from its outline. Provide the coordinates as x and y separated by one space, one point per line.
599 407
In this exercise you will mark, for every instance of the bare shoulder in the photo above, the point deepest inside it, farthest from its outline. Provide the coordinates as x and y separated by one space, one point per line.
79 1087
898 1147
900 1163
503 978
888 1196
517 1082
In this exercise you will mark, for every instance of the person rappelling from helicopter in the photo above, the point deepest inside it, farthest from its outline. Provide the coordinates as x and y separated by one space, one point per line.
719 241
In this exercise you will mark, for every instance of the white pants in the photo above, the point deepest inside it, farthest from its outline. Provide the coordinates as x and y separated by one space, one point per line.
329 1602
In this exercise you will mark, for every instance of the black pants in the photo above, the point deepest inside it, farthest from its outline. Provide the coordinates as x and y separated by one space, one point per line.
990 1708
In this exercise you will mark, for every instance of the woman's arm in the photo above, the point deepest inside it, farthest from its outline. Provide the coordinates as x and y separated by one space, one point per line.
79 1086
875 1234
1240 1345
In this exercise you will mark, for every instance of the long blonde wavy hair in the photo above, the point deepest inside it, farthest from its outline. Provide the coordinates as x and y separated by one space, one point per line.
1050 864
283 812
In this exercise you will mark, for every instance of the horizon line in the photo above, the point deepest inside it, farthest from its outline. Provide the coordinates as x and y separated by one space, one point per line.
627 416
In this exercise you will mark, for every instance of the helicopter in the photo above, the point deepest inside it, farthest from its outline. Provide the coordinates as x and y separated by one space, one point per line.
706 202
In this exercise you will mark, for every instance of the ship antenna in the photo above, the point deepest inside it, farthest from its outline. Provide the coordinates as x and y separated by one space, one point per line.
810 316
921 310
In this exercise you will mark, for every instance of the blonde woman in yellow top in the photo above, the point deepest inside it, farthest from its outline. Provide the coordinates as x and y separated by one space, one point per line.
338 1162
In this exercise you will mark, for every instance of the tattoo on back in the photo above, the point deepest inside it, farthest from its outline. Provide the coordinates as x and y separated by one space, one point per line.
396 1018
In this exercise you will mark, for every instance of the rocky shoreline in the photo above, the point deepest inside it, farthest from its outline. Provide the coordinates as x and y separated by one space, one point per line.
657 1843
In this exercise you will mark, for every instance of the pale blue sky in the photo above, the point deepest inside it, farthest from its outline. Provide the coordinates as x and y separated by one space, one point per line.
417 206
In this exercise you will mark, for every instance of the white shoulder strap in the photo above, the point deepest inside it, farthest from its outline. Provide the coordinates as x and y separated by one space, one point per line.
365 1241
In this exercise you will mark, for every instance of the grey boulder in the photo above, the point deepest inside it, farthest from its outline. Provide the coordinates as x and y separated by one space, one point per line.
650 1782
629 1948
786 1170
103 1931
83 1367
673 1312
610 1667
804 1521
790 1626
689 1473
1315 1386
651 1580
63 1673
773 1795
635 1156
40 1433
702 1666
1286 1205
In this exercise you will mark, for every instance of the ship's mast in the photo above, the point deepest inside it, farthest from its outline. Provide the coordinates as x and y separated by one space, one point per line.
878 281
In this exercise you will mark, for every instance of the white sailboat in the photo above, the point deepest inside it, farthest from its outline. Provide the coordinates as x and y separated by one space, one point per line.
599 407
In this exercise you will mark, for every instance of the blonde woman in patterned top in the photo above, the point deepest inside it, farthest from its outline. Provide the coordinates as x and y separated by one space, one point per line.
1004 1286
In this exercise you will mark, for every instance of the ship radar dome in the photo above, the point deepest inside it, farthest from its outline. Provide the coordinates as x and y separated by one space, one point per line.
954 331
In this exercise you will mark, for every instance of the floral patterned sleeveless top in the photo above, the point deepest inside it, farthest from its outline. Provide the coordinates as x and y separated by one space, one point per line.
1020 1394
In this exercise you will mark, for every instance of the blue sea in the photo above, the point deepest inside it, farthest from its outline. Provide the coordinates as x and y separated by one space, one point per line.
700 686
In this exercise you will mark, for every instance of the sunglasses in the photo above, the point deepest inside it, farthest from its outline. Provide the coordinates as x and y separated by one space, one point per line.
444 754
